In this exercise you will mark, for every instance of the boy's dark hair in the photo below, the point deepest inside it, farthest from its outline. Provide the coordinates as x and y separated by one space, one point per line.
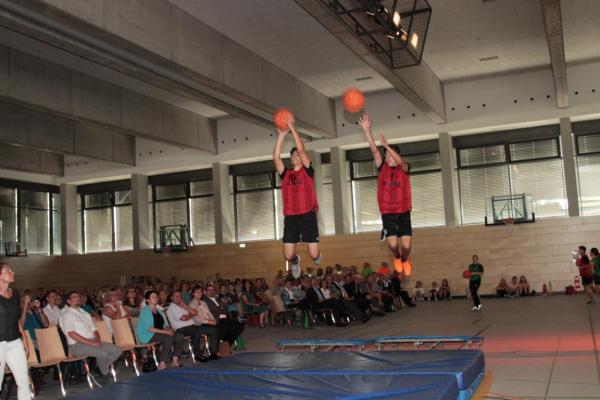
582 248
293 150
594 251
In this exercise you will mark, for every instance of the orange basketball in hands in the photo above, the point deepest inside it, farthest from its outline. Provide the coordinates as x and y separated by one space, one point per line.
281 117
467 274
353 100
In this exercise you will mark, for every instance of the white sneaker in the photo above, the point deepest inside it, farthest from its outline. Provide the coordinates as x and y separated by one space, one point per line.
296 272
479 307
474 308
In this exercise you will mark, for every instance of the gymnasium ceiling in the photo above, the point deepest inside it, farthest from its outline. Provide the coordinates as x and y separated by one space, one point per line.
461 33
468 39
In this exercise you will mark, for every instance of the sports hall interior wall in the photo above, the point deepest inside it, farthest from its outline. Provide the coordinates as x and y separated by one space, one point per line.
541 251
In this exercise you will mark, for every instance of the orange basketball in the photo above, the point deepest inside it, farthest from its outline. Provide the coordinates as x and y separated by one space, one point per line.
353 100
467 274
280 117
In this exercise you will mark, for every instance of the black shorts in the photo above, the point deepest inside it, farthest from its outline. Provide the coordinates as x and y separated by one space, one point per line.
301 228
396 225
586 281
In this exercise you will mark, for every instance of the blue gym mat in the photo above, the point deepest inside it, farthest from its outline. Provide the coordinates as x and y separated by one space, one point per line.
464 365
187 384
411 375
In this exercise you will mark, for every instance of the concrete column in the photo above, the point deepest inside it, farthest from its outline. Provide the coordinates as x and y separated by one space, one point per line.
449 180
224 218
68 219
342 204
315 158
142 231
569 166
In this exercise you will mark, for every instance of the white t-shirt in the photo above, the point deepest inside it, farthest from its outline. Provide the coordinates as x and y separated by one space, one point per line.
174 313
78 321
204 314
53 314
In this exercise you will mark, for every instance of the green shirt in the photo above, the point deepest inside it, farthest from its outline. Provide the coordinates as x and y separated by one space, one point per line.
476 268
367 271
596 264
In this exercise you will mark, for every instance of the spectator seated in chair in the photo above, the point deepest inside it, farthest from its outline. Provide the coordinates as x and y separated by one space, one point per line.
252 305
317 301
83 338
182 316
154 327
213 312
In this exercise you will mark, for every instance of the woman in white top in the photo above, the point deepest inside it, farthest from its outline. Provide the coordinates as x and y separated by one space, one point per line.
204 316
325 289
112 308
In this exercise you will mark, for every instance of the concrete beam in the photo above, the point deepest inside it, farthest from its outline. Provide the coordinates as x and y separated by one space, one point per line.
449 180
140 214
174 51
43 85
224 216
47 132
30 160
69 224
343 203
554 34
567 144
417 84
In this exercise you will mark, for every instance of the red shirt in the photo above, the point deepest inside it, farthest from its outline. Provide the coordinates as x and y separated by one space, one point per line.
393 190
298 191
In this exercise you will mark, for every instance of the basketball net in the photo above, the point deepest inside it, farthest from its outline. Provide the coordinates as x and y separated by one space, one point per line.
508 221
166 251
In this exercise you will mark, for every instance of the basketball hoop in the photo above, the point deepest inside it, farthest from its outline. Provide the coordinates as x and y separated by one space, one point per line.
166 250
508 221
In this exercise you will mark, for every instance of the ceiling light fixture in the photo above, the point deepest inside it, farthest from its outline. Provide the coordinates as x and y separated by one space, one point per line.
394 30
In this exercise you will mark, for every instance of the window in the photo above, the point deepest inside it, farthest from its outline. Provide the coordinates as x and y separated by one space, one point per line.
8 215
188 203
107 220
326 200
97 227
35 221
531 167
56 224
27 216
426 191
202 212
255 216
588 170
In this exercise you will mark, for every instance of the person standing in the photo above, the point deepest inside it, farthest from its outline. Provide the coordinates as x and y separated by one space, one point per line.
13 345
476 270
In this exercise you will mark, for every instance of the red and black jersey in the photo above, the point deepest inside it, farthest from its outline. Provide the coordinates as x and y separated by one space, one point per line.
393 190
298 191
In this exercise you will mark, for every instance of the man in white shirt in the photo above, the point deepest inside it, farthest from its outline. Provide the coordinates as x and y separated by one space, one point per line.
181 318
82 336
52 311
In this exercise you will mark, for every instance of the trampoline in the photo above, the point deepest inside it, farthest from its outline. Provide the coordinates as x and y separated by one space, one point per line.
414 375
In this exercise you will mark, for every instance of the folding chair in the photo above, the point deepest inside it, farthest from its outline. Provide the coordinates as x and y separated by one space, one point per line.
53 353
126 341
